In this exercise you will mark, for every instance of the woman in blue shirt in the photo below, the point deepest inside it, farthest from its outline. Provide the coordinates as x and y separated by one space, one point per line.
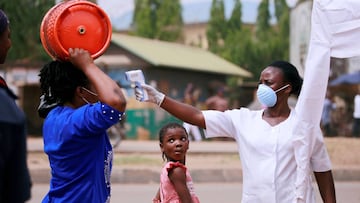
79 103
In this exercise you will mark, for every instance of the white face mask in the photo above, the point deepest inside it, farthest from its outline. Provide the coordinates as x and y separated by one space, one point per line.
267 96
85 100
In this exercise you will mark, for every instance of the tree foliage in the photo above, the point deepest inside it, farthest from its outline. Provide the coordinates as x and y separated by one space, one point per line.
158 19
250 46
234 22
284 27
169 20
144 19
254 46
263 20
25 18
217 27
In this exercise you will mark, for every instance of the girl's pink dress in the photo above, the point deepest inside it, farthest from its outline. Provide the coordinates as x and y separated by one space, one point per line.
167 190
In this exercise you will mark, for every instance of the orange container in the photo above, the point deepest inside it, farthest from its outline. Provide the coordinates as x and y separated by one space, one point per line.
75 24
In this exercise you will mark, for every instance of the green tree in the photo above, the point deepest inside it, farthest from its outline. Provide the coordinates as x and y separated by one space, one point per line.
253 48
234 22
144 19
25 18
263 20
272 41
239 48
160 19
280 7
216 30
283 18
233 47
169 20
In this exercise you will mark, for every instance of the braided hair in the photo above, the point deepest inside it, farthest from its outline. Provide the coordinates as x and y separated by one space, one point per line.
4 22
58 83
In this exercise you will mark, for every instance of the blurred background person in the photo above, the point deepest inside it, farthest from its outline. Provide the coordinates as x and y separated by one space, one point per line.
217 101
191 96
356 114
326 121
15 182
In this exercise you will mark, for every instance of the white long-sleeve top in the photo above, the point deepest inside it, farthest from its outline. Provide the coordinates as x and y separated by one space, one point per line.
267 154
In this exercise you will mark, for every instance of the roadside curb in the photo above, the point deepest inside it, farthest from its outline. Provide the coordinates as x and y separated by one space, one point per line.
202 174
142 176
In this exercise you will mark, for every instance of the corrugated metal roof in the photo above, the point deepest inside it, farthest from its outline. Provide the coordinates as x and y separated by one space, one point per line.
161 53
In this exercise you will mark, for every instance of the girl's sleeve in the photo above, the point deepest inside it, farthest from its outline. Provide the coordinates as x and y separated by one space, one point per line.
171 165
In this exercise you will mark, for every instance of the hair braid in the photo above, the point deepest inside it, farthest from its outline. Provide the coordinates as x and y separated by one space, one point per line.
58 81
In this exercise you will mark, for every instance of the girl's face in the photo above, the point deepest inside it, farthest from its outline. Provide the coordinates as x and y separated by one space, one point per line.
175 144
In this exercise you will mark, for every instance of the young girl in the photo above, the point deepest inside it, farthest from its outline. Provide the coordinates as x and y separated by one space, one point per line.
176 185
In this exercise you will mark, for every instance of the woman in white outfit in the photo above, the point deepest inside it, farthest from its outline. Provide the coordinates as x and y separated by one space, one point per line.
264 138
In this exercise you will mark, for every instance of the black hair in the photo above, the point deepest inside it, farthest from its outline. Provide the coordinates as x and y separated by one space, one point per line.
4 22
291 75
59 80
164 129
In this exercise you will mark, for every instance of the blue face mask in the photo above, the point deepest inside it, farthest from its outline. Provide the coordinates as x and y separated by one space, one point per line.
267 96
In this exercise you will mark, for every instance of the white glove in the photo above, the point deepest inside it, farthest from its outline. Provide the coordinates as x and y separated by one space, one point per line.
153 95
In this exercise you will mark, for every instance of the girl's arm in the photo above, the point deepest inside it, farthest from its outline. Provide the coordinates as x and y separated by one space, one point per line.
157 197
178 177
326 186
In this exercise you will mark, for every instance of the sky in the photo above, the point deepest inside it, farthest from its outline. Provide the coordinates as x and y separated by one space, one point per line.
117 8
120 11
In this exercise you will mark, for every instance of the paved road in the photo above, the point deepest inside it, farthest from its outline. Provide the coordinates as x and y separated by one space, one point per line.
347 192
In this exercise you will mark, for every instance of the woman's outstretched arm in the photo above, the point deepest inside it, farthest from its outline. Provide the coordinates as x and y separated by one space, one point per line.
182 111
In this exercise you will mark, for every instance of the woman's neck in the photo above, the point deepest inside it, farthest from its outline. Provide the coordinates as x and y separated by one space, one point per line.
274 116
277 112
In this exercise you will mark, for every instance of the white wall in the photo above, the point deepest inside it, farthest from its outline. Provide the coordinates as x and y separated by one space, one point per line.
300 26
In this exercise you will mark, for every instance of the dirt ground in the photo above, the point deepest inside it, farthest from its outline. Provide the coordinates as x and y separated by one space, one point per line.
344 151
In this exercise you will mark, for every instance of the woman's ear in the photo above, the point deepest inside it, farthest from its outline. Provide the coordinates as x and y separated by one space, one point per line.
79 94
79 91
289 89
78 97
